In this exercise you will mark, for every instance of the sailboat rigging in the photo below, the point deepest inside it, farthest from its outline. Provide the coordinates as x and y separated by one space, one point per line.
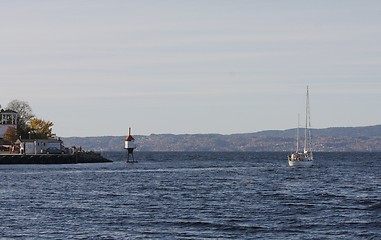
304 158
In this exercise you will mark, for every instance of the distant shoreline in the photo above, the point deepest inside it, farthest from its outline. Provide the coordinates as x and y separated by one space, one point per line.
351 139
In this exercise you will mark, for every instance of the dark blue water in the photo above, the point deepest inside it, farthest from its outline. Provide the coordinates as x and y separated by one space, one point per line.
194 196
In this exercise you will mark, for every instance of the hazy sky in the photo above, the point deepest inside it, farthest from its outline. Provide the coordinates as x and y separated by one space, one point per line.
97 67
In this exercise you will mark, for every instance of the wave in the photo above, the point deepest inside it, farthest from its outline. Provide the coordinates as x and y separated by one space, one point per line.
375 207
221 226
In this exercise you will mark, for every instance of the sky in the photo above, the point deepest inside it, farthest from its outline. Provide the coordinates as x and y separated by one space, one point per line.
96 68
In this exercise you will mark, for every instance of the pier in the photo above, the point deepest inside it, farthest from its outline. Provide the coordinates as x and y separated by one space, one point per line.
80 157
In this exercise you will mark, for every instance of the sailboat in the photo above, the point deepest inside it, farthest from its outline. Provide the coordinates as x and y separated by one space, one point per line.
304 158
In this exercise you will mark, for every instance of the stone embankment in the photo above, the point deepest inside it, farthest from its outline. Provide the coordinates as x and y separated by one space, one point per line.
80 157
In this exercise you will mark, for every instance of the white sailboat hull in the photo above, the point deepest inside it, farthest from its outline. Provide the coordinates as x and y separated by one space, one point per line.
300 159
301 163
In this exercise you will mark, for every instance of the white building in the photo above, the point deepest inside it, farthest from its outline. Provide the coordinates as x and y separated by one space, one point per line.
8 119
39 146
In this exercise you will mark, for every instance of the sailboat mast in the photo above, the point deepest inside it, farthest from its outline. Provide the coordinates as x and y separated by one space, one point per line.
297 135
307 121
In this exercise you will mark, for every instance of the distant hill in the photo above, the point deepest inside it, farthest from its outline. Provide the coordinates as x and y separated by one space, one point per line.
329 139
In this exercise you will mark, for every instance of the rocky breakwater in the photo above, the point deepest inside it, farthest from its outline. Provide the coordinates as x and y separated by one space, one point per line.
79 157
90 157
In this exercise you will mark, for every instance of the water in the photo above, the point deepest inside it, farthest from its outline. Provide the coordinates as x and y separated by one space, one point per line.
194 196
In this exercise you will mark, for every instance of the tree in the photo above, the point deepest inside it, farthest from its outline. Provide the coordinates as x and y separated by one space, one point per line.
40 129
10 135
25 114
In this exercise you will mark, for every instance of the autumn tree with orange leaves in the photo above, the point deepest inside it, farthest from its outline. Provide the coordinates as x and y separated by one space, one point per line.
10 135
40 129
